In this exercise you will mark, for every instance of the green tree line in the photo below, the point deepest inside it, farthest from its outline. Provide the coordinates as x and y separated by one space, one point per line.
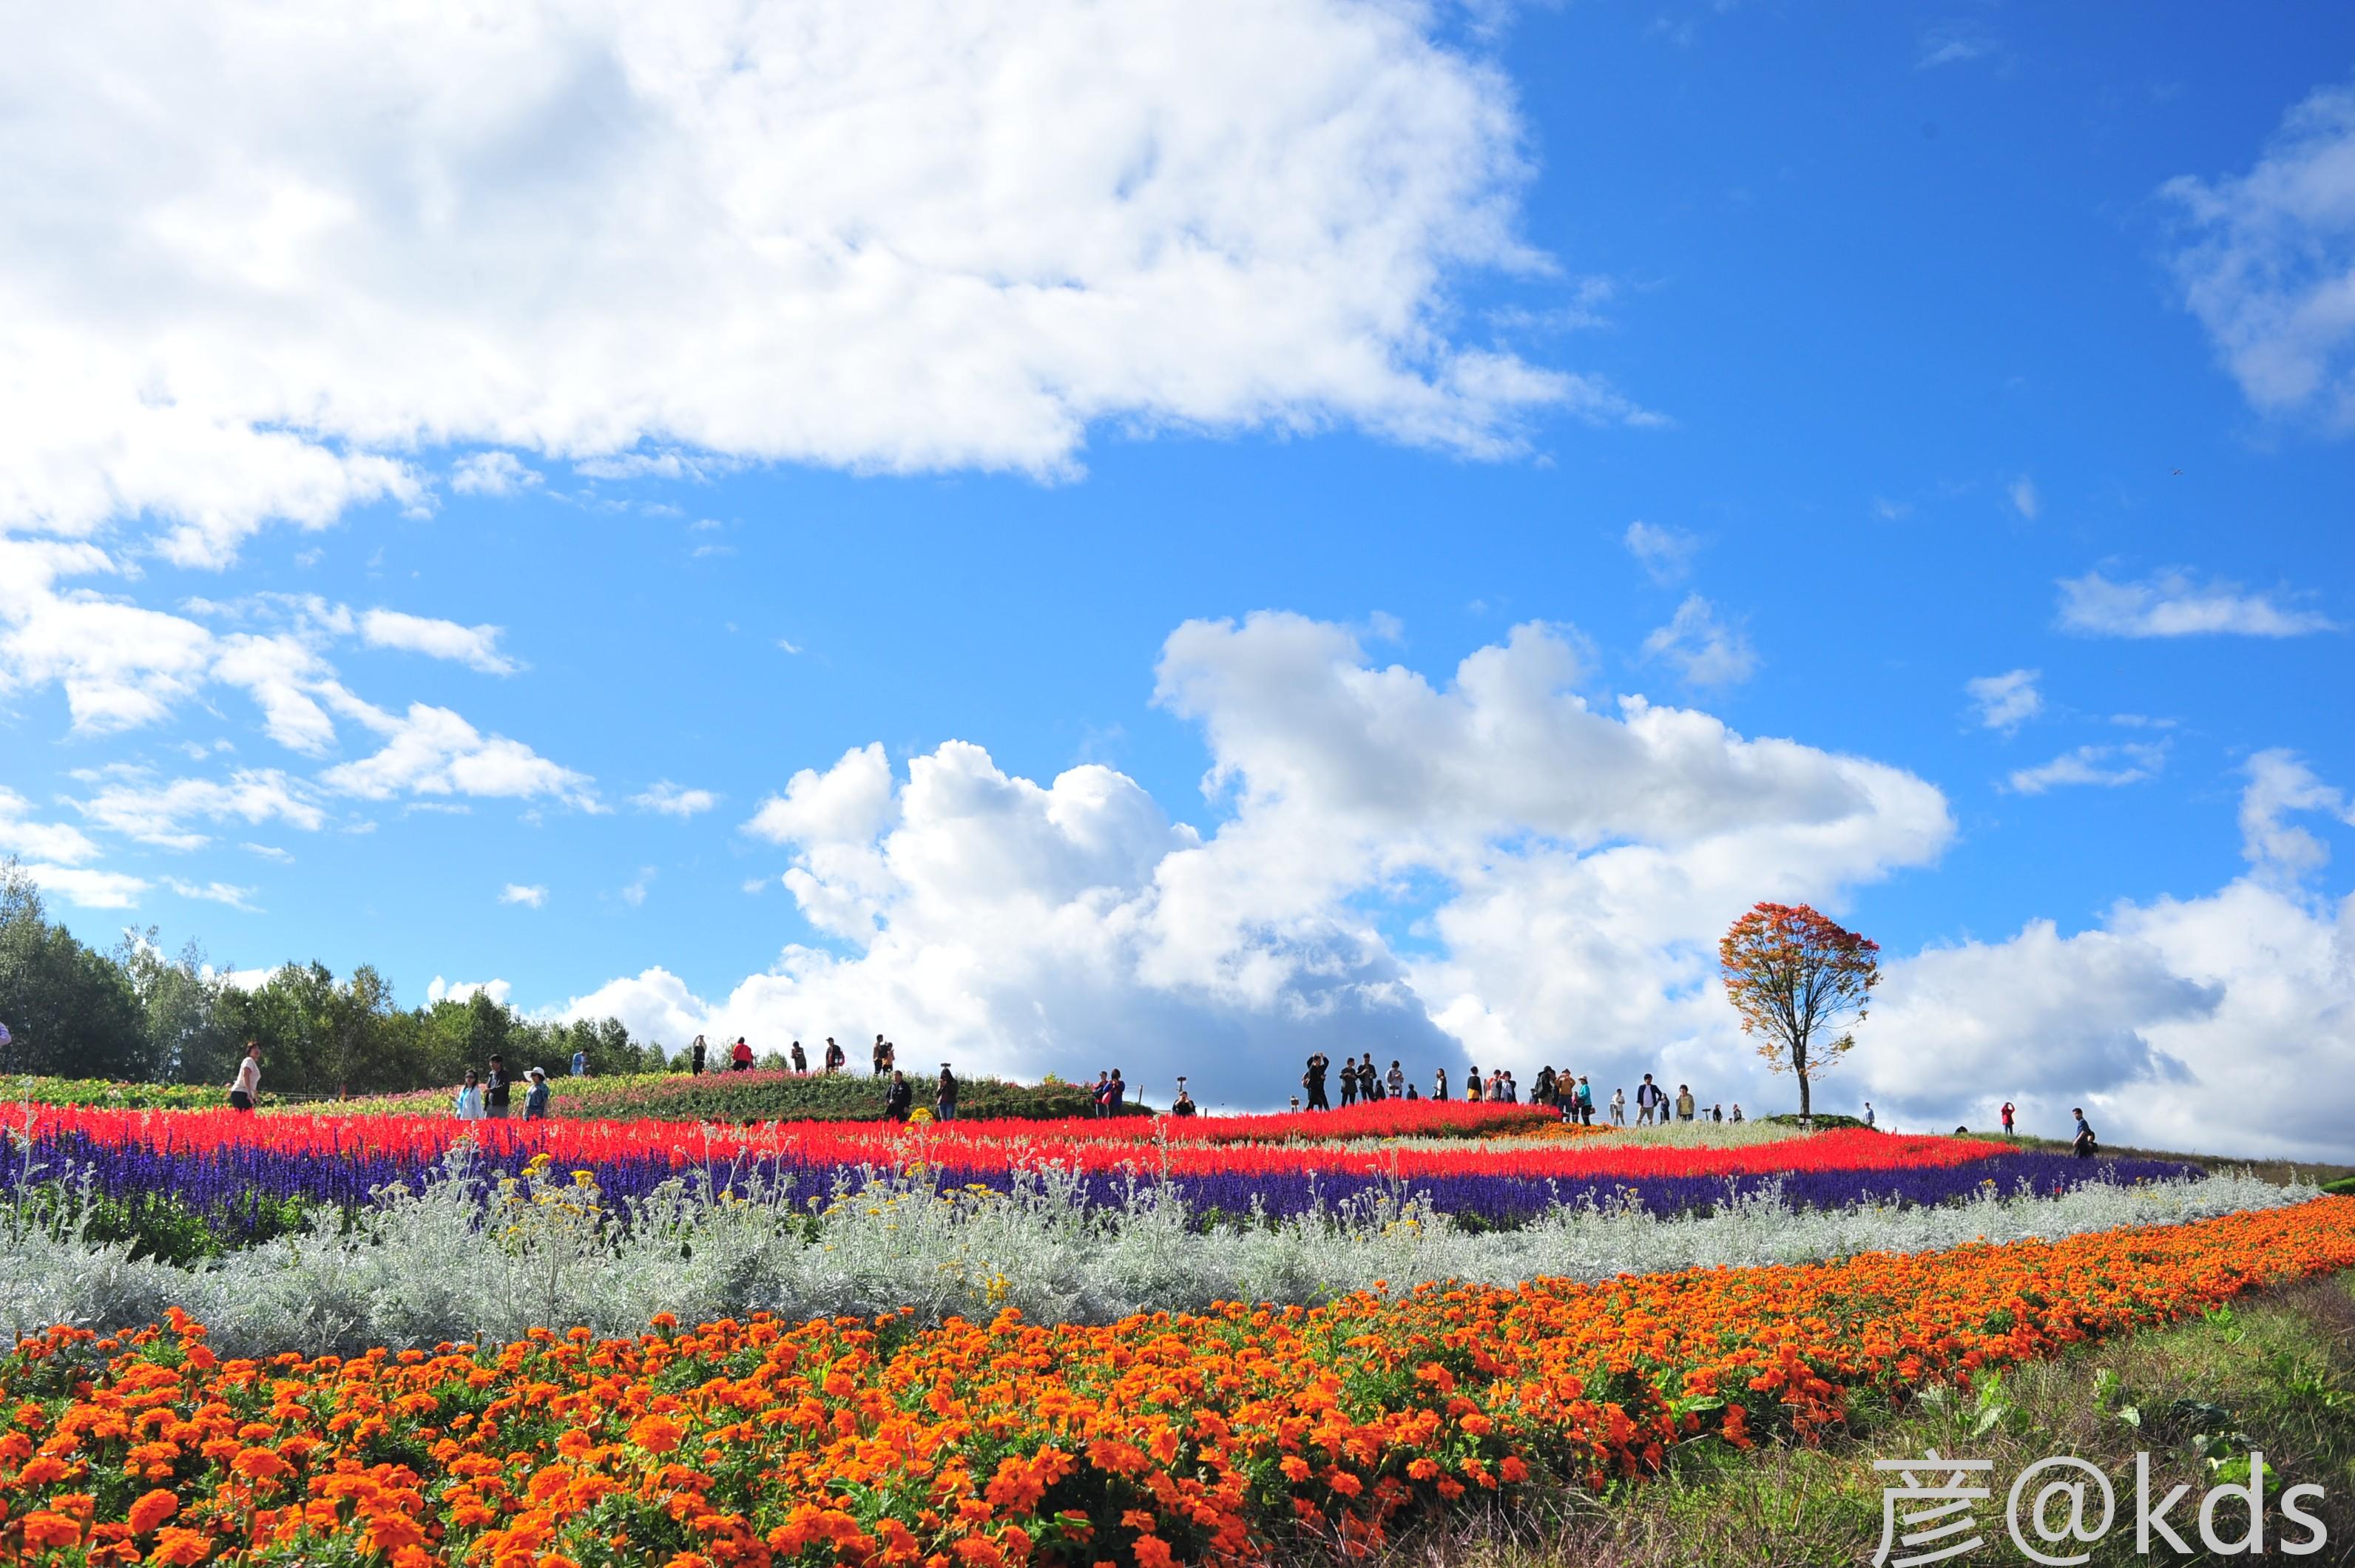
137 1014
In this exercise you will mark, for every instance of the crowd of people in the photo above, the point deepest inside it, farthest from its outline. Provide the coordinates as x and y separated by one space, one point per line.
1557 1089
488 1094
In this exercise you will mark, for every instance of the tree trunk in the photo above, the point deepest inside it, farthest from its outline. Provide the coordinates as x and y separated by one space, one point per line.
1799 1061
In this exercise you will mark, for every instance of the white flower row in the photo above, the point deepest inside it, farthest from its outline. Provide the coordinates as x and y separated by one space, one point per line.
426 1268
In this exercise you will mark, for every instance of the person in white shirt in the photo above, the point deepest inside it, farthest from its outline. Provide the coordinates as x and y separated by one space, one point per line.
1618 1107
245 1089
469 1104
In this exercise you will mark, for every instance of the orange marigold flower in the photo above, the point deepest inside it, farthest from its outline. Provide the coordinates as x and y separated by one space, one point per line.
656 1434
151 1510
181 1548
45 1529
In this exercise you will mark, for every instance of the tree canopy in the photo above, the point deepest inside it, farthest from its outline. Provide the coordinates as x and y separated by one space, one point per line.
1794 975
138 1014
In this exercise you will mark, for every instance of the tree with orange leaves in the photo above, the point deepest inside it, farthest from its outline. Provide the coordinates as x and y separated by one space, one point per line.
1794 975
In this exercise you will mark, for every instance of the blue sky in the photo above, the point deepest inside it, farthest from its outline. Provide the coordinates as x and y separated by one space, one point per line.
1927 346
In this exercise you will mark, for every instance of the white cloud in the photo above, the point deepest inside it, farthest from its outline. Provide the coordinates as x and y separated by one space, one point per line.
1666 553
213 892
2172 604
1955 42
435 752
477 646
635 893
2278 785
532 896
56 842
840 234
1704 650
672 801
2006 701
441 990
2023 498
2221 1023
160 814
2268 263
2109 766
492 474
1018 925
88 887
269 852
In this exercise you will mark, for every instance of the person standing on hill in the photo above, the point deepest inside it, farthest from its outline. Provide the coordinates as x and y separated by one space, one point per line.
833 1057
1349 1083
469 1104
800 1061
1472 1087
1586 1101
1868 1114
1684 1102
875 1056
1314 1081
739 1056
1618 1107
1648 1101
1183 1105
695 1058
1439 1084
1547 1090
495 1089
944 1096
2083 1144
581 1064
1099 1094
900 1100
1397 1081
535 1099
245 1089
1114 1094
2007 1118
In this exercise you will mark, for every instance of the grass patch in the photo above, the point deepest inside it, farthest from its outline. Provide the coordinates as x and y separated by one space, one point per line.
755 1097
2275 1373
2278 1172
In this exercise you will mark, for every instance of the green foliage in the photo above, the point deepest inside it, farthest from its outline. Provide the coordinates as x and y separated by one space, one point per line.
1820 1121
121 1097
135 1016
2344 1187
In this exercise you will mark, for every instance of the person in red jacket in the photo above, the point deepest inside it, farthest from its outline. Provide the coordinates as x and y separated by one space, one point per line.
739 1055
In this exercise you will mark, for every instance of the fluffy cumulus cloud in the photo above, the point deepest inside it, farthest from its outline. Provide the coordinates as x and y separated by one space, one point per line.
2219 1022
670 800
2176 604
654 238
2267 263
1385 847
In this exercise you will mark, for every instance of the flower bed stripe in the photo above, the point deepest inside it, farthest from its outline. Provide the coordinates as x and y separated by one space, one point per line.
1158 1439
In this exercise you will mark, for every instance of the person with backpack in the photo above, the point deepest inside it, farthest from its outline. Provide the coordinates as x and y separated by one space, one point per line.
1586 1101
2084 1145
834 1057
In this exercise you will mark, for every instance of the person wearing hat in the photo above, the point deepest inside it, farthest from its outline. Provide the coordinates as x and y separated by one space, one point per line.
535 1099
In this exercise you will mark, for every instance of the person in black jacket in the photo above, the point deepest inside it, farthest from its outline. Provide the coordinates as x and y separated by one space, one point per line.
495 1089
944 1096
900 1100
1313 1082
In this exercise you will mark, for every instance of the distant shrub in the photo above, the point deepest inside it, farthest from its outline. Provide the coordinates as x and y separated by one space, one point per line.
1820 1121
122 1096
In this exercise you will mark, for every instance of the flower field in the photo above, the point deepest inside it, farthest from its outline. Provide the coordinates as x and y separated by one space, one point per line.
241 1171
994 1342
1159 1439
